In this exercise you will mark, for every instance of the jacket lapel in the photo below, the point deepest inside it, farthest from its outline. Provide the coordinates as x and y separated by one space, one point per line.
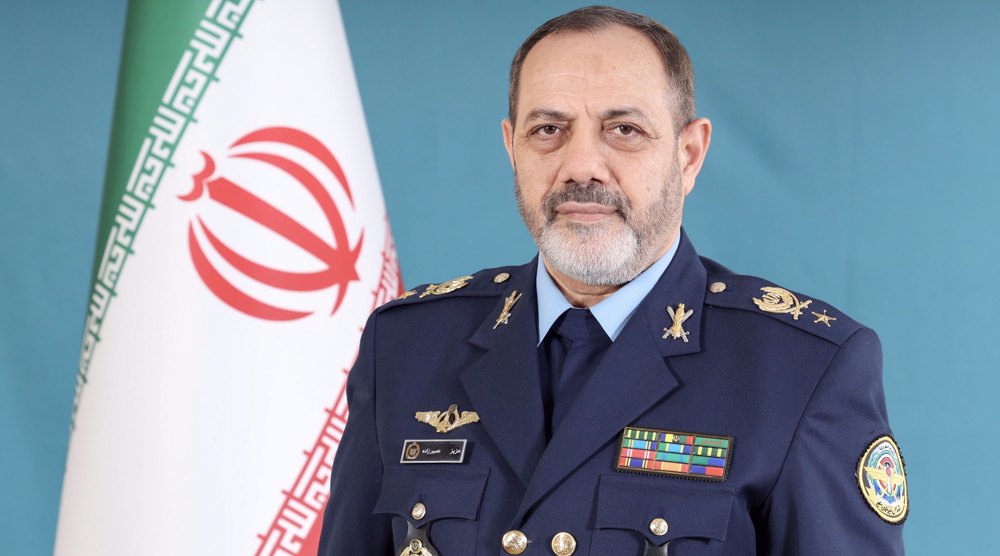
630 379
503 384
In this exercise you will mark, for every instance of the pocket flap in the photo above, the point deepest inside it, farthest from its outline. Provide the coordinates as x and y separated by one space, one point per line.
455 492
632 502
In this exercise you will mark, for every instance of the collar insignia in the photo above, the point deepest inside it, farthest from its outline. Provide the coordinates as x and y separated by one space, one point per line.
508 304
676 330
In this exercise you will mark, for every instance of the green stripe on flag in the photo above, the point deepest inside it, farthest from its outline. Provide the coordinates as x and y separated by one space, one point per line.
171 54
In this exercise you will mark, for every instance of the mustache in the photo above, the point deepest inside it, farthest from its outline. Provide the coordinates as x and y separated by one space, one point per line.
591 192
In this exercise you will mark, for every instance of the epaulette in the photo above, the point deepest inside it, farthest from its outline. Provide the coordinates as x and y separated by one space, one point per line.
757 295
485 283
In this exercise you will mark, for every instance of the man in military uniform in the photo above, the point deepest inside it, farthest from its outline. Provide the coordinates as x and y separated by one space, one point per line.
618 395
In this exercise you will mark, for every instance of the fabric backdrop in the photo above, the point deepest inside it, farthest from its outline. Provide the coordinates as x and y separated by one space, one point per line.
853 159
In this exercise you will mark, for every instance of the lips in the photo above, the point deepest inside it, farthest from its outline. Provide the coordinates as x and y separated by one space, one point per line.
585 212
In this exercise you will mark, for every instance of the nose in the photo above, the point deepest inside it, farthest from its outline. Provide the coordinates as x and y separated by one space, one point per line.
584 160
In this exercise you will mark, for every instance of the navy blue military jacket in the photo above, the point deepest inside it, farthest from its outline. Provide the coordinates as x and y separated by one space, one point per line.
797 387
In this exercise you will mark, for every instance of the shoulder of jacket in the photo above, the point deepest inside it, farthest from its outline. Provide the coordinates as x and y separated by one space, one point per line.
762 297
488 282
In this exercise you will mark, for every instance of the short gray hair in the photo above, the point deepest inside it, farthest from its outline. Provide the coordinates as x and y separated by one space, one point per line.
677 64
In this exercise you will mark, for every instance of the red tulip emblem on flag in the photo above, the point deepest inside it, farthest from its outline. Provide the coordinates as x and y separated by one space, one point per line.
337 260
243 244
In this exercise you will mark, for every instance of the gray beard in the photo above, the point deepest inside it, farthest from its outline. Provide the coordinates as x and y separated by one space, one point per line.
594 255
606 254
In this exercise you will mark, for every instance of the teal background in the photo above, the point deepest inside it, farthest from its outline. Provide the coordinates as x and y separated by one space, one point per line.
854 158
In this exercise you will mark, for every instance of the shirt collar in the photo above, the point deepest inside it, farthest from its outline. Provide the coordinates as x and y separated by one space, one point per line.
613 311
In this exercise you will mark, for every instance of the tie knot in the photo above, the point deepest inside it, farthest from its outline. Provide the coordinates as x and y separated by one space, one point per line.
579 325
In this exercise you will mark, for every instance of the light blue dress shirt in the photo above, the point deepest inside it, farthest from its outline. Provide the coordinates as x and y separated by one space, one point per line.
613 311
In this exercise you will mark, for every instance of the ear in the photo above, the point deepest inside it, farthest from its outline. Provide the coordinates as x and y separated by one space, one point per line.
692 146
508 139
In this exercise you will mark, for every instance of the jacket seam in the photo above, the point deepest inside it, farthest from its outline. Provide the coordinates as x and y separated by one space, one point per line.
378 442
802 416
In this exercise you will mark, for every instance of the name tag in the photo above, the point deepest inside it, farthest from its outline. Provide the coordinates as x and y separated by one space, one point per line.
433 451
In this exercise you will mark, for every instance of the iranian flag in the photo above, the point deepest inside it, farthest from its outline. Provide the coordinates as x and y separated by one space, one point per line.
243 241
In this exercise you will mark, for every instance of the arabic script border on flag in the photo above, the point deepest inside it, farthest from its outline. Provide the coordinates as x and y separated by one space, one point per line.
293 530
216 31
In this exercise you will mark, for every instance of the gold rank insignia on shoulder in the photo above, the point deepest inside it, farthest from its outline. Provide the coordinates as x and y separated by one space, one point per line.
447 421
447 287
676 330
823 318
882 480
508 304
780 300
406 294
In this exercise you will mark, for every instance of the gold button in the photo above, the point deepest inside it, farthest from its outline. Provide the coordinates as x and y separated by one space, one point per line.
563 544
659 526
419 511
501 278
717 287
514 542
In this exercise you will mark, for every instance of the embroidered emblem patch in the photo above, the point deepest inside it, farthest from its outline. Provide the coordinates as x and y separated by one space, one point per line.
882 480
682 454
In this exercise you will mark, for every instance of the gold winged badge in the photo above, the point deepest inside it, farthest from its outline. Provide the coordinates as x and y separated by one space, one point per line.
447 421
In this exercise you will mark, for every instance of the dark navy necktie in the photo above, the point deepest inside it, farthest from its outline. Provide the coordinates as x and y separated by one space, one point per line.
575 349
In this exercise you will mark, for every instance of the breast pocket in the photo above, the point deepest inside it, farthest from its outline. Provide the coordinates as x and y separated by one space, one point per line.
445 500
639 515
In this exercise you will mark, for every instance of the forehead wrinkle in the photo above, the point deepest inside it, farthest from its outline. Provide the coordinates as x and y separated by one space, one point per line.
589 80
587 74
610 90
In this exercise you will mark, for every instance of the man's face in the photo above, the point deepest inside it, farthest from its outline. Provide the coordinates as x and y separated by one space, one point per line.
600 171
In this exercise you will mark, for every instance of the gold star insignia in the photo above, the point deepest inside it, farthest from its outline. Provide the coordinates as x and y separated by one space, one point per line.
824 318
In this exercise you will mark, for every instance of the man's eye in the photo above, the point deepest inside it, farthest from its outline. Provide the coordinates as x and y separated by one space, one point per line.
547 130
625 129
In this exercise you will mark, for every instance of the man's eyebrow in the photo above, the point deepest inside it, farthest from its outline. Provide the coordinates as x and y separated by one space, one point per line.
629 111
546 114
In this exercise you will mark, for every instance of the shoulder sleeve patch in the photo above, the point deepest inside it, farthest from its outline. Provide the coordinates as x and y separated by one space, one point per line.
882 480
754 294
